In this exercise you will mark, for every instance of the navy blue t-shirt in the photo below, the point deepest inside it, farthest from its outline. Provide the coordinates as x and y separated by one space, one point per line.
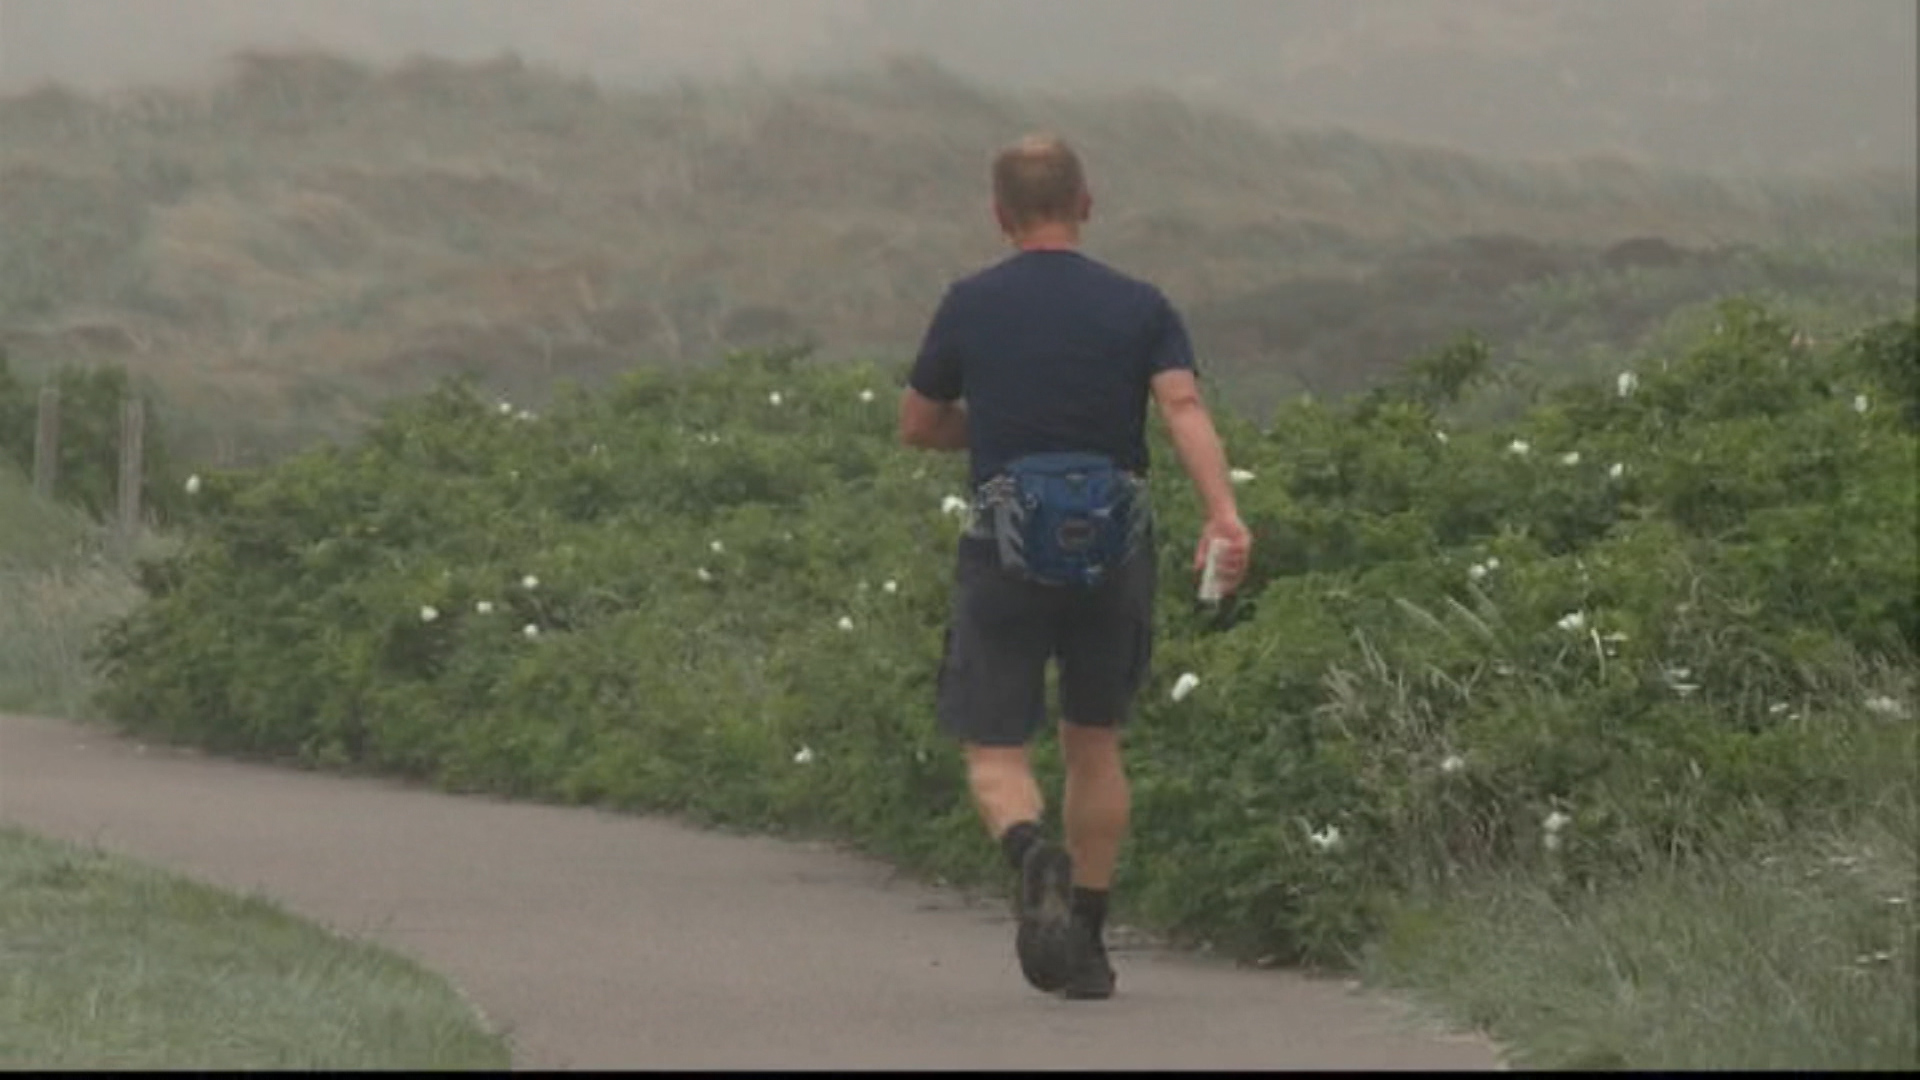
1053 351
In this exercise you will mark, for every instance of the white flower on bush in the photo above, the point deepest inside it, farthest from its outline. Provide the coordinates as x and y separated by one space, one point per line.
529 582
1861 404
1573 621
506 408
1887 706
1478 571
1571 457
1240 476
803 756
1452 763
774 398
1184 685
193 484
1326 839
1519 448
429 613
846 622
704 574
890 587
1616 471
525 415
1626 383
1680 679
1555 823
717 548
1442 436
530 630
484 607
866 396
953 504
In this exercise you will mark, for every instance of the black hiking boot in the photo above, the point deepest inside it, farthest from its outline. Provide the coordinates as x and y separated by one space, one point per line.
1044 941
1090 975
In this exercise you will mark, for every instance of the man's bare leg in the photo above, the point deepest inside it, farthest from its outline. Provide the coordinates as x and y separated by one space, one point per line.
1004 790
1009 801
1098 805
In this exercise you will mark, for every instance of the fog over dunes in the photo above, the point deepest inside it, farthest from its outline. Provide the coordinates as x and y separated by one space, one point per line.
1741 85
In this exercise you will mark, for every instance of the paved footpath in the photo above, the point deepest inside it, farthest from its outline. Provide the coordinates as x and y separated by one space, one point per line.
600 940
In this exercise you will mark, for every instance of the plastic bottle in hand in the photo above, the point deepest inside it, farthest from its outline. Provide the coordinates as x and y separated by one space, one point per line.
1210 589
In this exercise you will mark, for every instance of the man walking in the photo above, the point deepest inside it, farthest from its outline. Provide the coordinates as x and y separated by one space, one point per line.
1041 366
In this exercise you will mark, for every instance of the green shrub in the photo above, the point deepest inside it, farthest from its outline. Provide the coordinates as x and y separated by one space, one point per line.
1446 644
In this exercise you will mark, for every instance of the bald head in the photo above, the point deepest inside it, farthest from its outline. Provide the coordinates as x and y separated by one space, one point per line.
1039 181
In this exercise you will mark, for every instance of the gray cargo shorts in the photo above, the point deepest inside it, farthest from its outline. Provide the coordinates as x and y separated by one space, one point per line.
1004 630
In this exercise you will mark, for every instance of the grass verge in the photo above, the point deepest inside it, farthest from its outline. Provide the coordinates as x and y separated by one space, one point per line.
105 964
1797 954
108 965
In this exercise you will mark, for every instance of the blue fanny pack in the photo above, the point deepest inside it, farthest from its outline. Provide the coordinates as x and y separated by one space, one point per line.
1062 519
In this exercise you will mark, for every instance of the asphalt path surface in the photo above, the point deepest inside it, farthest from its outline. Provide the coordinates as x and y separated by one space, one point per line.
602 940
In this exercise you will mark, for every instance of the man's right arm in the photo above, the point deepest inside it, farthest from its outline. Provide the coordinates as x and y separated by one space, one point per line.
1177 390
1178 394
1176 387
1189 424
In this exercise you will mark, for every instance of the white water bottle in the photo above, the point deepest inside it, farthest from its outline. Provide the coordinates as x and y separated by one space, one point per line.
1210 592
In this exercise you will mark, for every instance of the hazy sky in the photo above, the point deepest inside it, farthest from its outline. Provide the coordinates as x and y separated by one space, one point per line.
108 42
1735 83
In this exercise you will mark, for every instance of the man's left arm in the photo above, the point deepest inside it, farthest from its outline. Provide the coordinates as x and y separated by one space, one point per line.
932 414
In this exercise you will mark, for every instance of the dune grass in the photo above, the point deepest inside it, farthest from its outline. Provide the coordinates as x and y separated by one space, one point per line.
1798 954
1794 965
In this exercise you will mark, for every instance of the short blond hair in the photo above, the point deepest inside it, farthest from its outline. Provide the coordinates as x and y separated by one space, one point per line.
1038 179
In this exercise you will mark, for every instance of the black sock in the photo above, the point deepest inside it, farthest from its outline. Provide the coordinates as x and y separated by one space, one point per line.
1018 840
1090 908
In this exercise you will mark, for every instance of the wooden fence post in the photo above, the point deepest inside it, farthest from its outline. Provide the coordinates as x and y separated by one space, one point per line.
46 443
132 445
